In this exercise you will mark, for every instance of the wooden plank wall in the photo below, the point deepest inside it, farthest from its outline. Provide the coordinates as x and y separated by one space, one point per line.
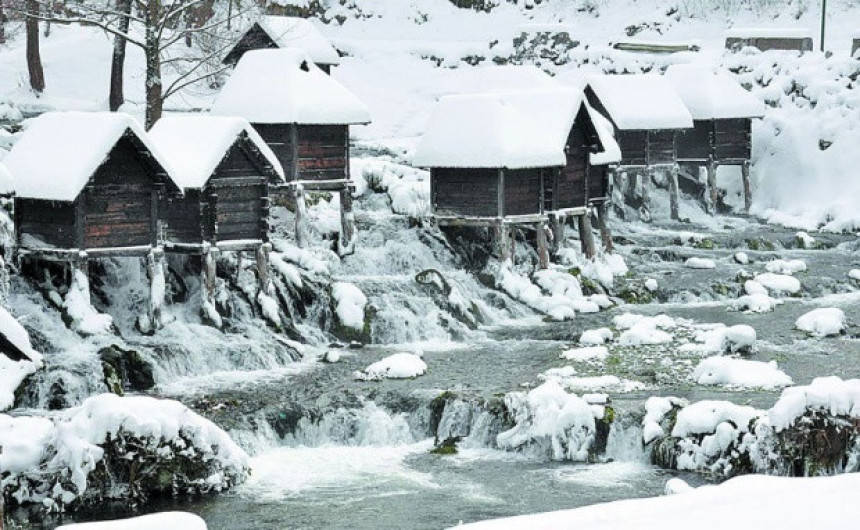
280 137
323 152
598 183
570 189
254 39
181 218
732 139
661 147
50 221
523 191
118 203
467 192
634 147
695 143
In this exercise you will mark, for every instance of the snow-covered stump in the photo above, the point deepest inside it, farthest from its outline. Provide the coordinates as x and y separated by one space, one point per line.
674 199
745 176
301 215
542 248
346 241
157 286
711 197
586 238
602 214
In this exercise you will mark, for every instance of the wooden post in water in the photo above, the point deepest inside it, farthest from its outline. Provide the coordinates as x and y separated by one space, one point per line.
301 214
542 249
646 180
210 269
674 198
157 285
602 223
263 273
712 188
556 227
745 175
586 238
346 241
500 237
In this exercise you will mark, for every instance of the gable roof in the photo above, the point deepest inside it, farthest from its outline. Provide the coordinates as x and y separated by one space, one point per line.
641 102
7 183
512 130
295 32
59 152
709 95
195 145
285 86
611 153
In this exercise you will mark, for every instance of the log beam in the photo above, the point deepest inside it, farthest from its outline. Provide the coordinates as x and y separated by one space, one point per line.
745 175
674 198
542 248
301 214
346 240
263 271
586 238
602 211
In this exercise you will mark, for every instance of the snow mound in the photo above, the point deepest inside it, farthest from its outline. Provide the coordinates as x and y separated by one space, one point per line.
756 303
350 304
549 422
590 353
641 330
831 394
822 322
655 409
779 283
704 416
566 377
740 373
397 366
753 287
595 337
85 319
700 263
161 521
789 267
742 258
854 274
295 32
719 339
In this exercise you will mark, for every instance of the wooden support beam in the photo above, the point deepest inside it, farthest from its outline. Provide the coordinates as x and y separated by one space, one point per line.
501 239
646 181
157 287
542 249
602 211
210 262
556 227
301 214
674 198
712 198
263 272
745 175
586 238
346 240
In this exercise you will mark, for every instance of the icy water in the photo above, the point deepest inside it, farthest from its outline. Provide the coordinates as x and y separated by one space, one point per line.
332 452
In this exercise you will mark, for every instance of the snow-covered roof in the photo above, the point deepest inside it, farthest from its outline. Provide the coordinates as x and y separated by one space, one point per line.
611 153
511 130
285 86
7 183
294 32
195 145
59 152
641 102
709 95
496 78
769 33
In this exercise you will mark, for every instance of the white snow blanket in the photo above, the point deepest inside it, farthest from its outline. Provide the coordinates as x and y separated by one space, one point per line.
709 95
742 373
7 183
78 143
756 501
350 304
285 86
160 521
13 373
641 102
397 366
822 322
779 283
295 32
195 145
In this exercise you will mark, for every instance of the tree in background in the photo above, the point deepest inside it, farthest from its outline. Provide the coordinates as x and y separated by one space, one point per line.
34 57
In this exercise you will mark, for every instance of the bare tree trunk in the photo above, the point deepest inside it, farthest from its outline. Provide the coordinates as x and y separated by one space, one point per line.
117 98
49 12
154 101
34 58
2 29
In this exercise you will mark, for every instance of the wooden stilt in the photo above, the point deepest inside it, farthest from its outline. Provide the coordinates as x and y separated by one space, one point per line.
157 286
712 188
602 223
745 174
646 182
586 238
501 240
210 261
346 241
301 214
542 249
556 227
263 274
674 198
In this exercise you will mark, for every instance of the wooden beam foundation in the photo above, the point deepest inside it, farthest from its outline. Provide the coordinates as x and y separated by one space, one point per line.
745 175
542 248
602 211
157 286
712 198
674 199
646 181
346 240
586 238
210 262
263 271
556 228
301 215
501 237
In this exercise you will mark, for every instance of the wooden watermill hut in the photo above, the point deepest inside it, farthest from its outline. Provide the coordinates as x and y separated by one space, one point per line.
88 185
765 39
722 112
646 116
304 116
225 170
286 32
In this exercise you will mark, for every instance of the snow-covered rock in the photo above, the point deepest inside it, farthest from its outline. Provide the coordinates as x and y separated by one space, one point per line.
756 303
350 304
588 353
854 274
822 322
741 258
779 283
718 339
641 330
17 364
651 284
753 287
700 263
789 267
397 366
732 372
595 337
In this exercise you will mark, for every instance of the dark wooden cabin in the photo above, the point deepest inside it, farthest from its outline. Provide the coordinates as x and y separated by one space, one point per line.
286 32
765 39
301 113
722 112
225 170
87 182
